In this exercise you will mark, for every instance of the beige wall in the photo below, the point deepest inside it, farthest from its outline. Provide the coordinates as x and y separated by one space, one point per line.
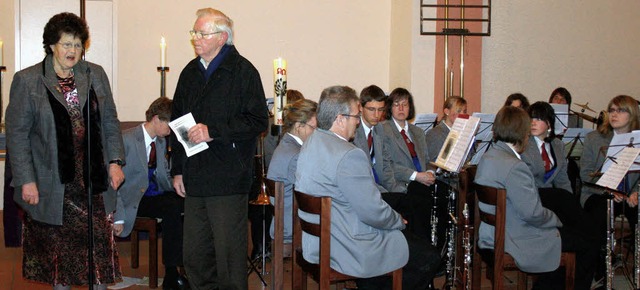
589 47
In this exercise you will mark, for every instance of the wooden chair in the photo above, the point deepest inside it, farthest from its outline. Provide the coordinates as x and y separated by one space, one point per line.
322 272
279 249
150 225
501 260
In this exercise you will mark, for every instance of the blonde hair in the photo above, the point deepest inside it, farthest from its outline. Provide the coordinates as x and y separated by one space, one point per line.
300 111
623 102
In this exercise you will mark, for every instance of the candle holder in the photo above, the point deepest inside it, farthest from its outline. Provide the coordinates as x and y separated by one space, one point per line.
163 80
2 69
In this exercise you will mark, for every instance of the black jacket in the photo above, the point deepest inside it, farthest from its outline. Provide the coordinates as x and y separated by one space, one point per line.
232 104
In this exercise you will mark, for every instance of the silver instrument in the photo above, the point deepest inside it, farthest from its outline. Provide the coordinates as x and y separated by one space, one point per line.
466 244
611 243
434 217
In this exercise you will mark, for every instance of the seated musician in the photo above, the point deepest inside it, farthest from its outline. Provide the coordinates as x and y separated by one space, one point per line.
623 118
147 190
517 100
299 123
534 235
435 137
366 233
562 96
407 150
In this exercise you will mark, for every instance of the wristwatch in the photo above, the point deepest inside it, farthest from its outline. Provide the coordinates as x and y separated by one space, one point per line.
117 161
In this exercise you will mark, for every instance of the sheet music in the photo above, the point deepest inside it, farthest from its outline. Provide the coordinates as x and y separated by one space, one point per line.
181 128
618 143
458 143
616 172
425 121
562 117
485 131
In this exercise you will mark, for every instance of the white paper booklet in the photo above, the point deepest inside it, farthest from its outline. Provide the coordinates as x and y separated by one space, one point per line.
458 143
181 128
618 169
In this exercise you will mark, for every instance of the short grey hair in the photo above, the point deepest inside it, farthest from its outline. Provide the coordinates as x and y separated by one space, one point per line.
221 21
334 101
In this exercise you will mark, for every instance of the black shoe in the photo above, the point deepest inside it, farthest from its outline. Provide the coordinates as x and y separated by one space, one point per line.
179 283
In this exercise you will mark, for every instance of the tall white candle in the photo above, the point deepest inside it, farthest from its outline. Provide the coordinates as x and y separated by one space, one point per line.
163 52
280 89
1 51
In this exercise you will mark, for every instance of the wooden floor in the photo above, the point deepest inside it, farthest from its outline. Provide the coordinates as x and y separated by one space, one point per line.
11 270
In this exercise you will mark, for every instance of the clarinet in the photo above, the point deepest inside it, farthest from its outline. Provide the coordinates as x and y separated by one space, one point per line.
451 236
611 243
434 217
637 253
466 244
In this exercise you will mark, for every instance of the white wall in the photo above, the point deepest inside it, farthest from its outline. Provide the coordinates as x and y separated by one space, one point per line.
589 47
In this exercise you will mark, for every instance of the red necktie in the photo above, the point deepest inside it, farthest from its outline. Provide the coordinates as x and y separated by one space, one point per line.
410 146
152 155
545 158
369 140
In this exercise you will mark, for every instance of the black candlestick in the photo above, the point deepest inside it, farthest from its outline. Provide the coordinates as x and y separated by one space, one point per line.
163 71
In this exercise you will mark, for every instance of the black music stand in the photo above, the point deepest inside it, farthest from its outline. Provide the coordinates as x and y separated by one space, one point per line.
426 122
484 137
562 117
575 137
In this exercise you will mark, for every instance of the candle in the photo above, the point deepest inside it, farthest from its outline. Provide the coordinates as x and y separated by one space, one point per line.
1 50
163 52
280 89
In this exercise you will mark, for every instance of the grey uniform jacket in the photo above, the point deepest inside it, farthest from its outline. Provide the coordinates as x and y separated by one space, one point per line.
532 237
383 159
283 168
399 153
125 201
366 240
31 131
559 178
592 160
435 139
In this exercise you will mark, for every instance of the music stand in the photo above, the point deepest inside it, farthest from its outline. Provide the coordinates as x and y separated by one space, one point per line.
573 140
484 136
426 121
562 117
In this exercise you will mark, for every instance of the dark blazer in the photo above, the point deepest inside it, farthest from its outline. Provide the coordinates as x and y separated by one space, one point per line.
366 240
383 164
31 131
400 157
126 199
559 178
232 104
283 168
531 234
592 160
435 139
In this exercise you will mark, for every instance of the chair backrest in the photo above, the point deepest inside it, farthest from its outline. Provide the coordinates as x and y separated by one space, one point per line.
320 206
496 197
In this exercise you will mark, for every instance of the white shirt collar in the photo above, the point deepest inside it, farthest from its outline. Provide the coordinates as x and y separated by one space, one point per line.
364 126
147 140
295 138
514 150
405 128
538 143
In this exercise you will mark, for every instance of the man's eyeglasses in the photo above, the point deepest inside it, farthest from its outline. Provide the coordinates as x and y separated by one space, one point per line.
70 45
201 35
352 116
618 110
372 109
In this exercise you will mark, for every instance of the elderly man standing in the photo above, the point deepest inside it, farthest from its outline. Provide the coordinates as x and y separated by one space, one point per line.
366 233
224 93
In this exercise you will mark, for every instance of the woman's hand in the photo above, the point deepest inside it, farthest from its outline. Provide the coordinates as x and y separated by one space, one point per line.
30 193
118 228
632 200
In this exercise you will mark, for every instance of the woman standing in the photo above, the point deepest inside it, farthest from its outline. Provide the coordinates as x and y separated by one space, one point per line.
49 138
299 122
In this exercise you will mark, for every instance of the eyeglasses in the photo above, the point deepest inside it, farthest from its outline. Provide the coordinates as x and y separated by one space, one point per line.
201 35
352 116
398 104
372 109
618 110
70 45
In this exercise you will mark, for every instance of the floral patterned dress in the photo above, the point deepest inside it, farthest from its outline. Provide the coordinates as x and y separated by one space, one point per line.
58 254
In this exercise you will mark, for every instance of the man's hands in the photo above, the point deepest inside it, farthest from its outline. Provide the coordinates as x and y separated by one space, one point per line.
427 178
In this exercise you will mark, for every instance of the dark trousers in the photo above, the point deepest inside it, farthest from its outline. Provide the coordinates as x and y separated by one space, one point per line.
421 268
578 235
415 206
215 241
169 207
